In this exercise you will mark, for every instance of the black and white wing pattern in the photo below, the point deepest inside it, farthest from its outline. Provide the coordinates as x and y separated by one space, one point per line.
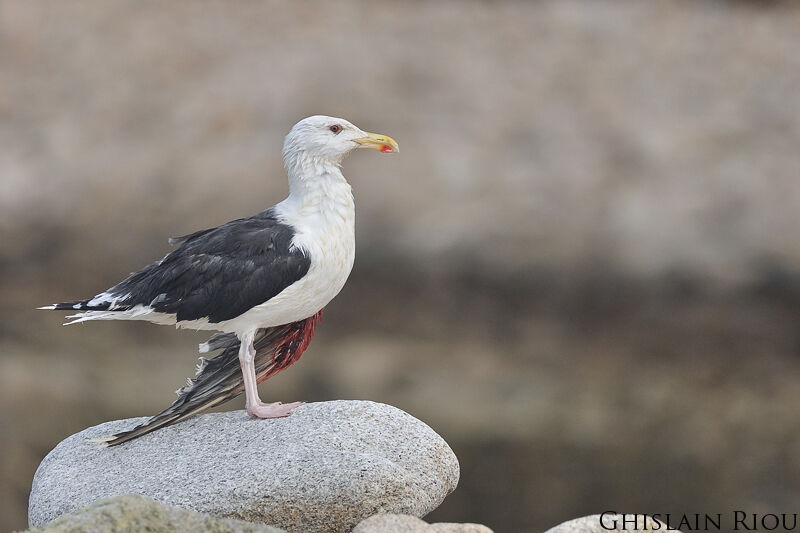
214 275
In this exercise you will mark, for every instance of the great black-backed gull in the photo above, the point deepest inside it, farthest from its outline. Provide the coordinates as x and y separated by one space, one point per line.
262 281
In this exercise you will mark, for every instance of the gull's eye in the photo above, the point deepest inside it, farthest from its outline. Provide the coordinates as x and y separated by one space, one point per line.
335 129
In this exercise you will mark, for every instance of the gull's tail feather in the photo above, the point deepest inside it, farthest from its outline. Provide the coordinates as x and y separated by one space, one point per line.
104 306
219 378
79 305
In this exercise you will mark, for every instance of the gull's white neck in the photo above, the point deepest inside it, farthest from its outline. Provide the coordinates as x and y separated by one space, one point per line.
320 202
320 211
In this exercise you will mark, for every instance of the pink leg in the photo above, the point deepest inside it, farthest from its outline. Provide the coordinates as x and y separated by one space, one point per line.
253 404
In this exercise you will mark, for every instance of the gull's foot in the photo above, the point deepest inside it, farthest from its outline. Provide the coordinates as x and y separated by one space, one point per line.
272 410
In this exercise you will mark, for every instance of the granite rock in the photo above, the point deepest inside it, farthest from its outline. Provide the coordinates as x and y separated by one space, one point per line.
131 512
399 523
609 522
323 469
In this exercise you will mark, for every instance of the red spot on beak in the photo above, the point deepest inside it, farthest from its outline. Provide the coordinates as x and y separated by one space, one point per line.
386 149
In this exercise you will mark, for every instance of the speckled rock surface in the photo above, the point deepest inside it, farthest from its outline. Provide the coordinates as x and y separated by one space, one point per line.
610 522
402 523
123 514
323 469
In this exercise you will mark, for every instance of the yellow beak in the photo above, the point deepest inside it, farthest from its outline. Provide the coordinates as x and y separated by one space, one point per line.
379 142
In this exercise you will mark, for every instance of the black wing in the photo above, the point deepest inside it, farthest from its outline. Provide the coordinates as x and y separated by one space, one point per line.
218 274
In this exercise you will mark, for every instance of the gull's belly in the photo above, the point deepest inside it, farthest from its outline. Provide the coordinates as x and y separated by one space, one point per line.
331 263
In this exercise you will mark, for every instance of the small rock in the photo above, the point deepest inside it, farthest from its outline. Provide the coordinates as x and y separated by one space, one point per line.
131 512
609 522
323 469
403 523
451 527
391 523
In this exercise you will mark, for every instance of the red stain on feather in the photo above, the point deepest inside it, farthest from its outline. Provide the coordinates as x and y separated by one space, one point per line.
291 345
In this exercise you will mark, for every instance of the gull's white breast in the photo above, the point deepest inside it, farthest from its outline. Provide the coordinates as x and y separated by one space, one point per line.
325 231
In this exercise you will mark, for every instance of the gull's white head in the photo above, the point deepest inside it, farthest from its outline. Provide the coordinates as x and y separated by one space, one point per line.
329 139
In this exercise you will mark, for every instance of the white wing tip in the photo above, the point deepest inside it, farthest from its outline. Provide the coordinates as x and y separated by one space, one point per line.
75 319
102 442
47 307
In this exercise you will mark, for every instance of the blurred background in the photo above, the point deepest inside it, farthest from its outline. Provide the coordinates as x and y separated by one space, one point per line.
583 269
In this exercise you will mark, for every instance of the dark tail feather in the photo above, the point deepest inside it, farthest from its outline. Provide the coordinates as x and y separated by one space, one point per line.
80 305
219 379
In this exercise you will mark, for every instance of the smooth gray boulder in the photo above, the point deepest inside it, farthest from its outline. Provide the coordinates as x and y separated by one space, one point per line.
610 522
403 523
123 514
323 469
